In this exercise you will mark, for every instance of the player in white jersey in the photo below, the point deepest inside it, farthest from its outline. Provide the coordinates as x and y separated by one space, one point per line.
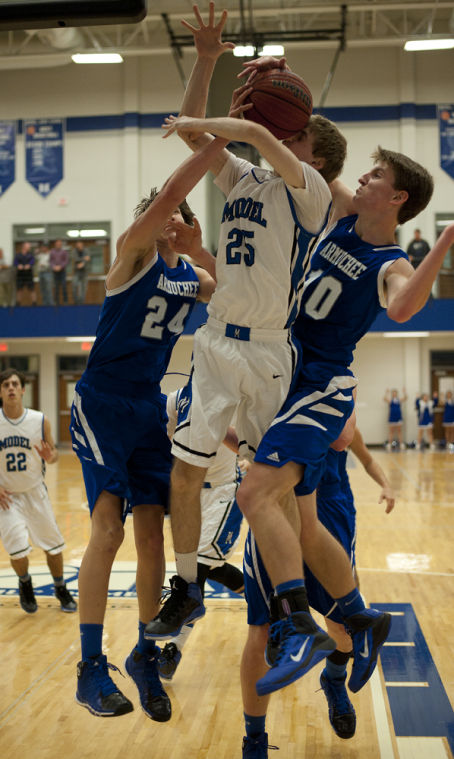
26 445
221 523
244 357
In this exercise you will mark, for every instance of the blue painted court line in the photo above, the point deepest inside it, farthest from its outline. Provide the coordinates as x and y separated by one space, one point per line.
416 711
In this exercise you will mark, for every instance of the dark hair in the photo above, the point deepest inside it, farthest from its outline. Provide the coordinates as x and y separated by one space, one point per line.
143 204
328 143
411 177
7 373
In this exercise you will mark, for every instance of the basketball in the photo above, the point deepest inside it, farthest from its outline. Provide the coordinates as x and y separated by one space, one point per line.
282 102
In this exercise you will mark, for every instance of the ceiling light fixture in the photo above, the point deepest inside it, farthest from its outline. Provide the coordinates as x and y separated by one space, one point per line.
406 334
275 50
243 51
430 44
97 58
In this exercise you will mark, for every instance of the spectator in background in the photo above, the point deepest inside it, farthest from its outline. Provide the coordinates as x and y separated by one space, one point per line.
448 420
417 249
24 261
425 411
59 259
5 282
81 262
44 274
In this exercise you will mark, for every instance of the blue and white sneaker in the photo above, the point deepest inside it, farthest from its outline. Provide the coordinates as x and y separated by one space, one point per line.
143 669
301 645
97 691
256 748
369 630
168 661
340 709
183 605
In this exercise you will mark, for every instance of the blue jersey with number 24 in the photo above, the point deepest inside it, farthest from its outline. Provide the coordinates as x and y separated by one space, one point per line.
140 323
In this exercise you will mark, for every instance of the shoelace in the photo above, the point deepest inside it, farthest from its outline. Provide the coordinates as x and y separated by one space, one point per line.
151 676
103 678
337 691
171 603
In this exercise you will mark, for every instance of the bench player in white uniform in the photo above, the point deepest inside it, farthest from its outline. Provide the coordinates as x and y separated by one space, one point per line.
244 357
26 446
221 523
356 270
118 430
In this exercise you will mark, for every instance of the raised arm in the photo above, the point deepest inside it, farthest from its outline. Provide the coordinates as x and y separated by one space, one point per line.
144 230
373 469
209 45
276 153
408 289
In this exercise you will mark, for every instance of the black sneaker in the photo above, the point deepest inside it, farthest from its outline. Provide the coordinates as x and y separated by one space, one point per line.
27 597
369 630
256 748
340 709
67 602
168 661
143 669
183 605
97 691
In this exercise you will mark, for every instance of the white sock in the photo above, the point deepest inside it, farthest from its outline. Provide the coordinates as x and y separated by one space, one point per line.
182 638
187 565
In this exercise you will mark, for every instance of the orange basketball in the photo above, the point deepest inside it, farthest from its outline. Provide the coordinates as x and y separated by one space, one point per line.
282 102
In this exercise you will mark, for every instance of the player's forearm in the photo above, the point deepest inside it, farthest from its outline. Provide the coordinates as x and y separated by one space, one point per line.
206 260
196 94
413 295
375 471
281 159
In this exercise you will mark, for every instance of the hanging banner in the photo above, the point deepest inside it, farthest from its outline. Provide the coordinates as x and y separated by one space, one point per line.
7 154
446 122
44 154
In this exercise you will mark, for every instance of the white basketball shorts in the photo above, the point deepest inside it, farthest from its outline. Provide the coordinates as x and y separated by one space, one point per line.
237 373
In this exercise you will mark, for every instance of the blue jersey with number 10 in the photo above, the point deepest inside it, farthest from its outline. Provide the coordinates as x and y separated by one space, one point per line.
140 323
343 293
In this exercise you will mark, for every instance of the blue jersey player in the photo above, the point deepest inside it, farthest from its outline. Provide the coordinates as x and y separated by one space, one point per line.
357 269
118 428
337 513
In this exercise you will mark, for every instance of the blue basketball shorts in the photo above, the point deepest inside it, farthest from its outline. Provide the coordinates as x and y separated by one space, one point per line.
122 445
312 417
339 517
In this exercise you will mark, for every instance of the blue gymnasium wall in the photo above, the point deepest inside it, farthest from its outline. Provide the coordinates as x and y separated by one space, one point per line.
81 321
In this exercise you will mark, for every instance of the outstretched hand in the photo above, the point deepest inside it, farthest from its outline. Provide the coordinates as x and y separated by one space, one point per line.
238 106
184 238
207 37
179 124
258 65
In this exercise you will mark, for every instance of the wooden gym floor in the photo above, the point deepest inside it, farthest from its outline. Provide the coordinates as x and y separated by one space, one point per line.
405 562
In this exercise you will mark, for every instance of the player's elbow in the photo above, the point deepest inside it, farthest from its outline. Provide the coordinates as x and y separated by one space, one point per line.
399 312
